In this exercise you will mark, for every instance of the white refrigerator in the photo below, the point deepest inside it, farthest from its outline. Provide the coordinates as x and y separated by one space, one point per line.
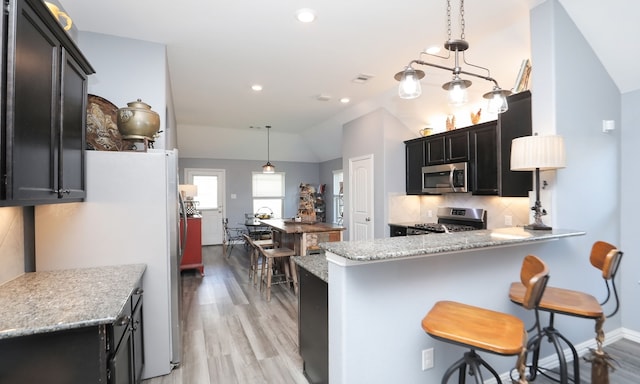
130 216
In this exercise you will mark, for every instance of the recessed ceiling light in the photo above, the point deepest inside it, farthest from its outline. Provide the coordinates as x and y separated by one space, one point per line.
305 15
345 100
256 87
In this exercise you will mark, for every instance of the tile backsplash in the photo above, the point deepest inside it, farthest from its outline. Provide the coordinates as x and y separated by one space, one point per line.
423 209
11 243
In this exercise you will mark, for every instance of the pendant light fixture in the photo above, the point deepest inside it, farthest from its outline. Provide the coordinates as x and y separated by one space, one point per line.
410 77
268 167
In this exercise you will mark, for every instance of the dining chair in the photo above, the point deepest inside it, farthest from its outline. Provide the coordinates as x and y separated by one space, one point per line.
232 236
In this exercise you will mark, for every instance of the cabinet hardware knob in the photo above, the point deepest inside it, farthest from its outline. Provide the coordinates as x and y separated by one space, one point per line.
123 320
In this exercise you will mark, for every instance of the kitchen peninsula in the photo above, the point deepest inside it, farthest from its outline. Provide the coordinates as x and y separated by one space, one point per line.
379 291
301 236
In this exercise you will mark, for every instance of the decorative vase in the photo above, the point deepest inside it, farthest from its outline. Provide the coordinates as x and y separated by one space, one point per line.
137 121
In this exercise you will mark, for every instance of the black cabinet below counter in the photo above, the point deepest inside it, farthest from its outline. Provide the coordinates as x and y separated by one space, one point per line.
73 326
313 317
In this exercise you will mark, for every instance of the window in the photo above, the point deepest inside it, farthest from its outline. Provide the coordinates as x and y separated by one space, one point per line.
207 191
268 193
338 201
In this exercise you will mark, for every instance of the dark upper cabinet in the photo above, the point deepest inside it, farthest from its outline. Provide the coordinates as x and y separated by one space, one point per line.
484 164
487 148
44 123
415 160
450 147
491 151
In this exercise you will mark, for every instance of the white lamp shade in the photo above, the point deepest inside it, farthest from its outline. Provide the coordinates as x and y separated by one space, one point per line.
541 152
188 190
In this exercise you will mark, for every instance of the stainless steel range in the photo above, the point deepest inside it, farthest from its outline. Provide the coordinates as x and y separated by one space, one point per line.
450 219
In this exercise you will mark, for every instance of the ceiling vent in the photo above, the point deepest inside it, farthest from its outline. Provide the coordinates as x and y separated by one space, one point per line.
322 97
362 78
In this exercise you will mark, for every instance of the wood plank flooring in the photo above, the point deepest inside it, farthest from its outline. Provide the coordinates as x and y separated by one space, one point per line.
232 335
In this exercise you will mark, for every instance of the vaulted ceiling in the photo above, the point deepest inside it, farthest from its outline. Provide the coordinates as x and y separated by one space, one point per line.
218 49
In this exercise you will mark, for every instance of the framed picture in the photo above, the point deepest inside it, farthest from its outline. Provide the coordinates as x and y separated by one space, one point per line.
522 81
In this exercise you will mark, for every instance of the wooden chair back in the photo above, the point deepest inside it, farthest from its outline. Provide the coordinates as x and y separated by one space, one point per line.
606 258
534 275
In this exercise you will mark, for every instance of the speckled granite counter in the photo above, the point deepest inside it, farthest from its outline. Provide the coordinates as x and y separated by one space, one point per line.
41 302
316 264
354 252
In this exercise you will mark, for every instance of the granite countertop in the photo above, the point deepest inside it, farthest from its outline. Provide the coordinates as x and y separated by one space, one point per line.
432 244
40 302
287 226
316 264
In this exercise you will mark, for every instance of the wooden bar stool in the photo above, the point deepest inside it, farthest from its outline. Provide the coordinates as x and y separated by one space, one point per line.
486 330
290 274
606 258
255 255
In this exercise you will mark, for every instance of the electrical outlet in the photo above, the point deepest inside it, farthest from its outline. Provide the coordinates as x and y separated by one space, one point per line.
427 359
430 213
508 221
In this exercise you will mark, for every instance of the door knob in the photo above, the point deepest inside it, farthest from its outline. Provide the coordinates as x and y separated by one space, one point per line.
367 219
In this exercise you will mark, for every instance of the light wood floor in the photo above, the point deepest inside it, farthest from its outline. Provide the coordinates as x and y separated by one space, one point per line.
232 335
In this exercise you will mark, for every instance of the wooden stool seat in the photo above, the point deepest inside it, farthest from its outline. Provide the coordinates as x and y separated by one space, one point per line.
290 274
475 327
482 329
560 300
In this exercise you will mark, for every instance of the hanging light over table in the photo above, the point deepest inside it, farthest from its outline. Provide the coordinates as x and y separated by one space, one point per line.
410 77
268 167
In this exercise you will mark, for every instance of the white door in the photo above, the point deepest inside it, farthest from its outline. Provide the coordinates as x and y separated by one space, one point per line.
361 198
211 201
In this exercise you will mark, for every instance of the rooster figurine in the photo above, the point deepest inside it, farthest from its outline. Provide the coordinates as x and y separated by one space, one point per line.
451 123
475 117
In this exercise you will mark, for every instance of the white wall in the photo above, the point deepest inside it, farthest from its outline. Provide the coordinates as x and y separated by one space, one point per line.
11 243
629 131
127 70
573 93
381 134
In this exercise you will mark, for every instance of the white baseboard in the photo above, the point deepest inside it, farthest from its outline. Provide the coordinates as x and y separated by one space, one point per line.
582 349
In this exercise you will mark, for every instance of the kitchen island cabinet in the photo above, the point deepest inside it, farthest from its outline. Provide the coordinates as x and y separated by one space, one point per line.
302 237
379 290
313 317
73 326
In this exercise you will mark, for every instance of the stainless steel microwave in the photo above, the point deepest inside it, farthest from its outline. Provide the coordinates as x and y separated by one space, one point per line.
445 178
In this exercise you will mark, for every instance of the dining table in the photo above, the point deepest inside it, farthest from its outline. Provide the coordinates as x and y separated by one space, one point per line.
303 237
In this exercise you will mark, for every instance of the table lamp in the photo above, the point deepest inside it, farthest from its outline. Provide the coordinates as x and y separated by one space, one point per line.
188 191
535 153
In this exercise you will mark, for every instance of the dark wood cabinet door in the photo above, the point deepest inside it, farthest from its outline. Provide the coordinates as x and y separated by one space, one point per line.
484 164
71 142
435 151
457 147
138 346
121 362
415 160
32 105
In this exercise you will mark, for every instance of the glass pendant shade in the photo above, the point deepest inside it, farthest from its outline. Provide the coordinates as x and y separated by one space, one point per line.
268 168
497 101
457 91
409 87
